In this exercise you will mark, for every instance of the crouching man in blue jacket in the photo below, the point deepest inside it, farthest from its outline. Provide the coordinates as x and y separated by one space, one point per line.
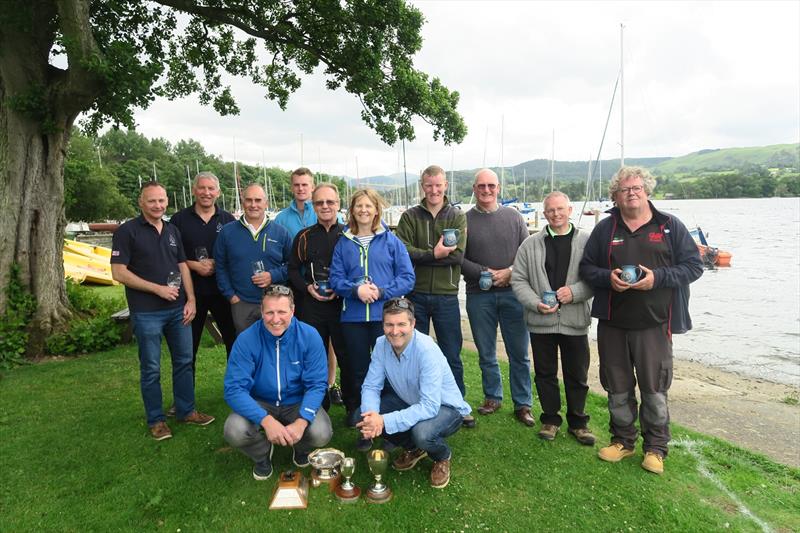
276 379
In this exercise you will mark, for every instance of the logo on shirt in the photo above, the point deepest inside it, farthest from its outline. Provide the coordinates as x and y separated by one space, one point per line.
617 241
172 241
115 253
219 227
656 236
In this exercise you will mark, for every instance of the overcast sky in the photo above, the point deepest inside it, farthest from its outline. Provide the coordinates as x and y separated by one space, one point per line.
697 75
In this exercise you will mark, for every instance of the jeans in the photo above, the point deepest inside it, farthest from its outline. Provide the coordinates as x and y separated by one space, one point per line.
444 311
485 311
427 434
249 438
359 338
148 328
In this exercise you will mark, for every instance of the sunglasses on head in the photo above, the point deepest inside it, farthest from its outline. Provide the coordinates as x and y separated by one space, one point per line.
283 290
398 303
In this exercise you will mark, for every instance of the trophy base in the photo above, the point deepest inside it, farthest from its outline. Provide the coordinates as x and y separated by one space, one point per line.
347 495
379 497
291 492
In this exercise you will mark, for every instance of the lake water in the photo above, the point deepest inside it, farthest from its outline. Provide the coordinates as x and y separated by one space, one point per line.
747 317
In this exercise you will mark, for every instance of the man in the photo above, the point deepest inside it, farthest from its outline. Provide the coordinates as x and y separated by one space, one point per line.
275 381
437 268
146 253
309 263
638 317
239 249
548 262
199 225
410 396
299 214
495 233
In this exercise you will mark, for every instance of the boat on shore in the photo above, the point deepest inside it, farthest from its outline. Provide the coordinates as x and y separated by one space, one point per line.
85 263
711 255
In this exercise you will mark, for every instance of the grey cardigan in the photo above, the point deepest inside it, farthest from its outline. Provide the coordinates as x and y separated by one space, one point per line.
529 281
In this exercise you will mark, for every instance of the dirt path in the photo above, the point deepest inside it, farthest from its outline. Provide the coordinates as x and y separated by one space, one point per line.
755 414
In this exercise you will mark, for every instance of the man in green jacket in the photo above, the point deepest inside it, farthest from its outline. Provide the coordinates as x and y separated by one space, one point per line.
437 267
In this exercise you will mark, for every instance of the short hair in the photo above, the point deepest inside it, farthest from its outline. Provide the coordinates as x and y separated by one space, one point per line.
255 184
278 291
395 306
149 184
376 199
205 175
325 185
433 170
648 181
554 194
485 170
302 171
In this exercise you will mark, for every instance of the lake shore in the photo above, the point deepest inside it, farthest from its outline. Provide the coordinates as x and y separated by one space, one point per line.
753 413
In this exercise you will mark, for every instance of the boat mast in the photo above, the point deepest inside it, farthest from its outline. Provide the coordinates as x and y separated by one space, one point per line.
237 205
621 100
553 162
502 168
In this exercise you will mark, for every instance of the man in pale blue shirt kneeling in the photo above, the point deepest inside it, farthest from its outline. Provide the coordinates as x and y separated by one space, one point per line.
410 396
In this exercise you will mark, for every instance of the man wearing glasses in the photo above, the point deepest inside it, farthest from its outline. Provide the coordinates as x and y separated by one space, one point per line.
275 381
640 263
410 396
494 235
309 269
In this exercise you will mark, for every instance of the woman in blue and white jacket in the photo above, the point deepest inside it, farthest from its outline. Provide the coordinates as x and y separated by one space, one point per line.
369 266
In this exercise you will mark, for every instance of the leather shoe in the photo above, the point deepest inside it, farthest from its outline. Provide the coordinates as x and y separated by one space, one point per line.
523 414
353 418
489 407
468 422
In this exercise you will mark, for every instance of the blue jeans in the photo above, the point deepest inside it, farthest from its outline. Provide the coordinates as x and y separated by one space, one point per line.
427 434
148 328
444 311
485 310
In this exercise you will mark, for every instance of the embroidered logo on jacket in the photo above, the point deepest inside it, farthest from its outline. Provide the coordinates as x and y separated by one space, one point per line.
656 236
617 241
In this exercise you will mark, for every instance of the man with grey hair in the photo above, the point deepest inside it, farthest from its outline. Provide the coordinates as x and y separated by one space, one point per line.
545 281
640 263
199 224
494 235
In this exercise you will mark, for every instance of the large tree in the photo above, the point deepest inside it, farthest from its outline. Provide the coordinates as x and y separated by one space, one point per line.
106 58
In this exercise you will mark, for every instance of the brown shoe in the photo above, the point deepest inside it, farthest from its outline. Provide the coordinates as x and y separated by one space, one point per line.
582 435
523 414
653 462
409 459
548 432
614 452
198 419
489 407
440 474
160 431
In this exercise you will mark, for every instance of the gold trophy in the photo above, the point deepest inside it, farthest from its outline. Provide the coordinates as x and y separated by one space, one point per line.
347 492
378 492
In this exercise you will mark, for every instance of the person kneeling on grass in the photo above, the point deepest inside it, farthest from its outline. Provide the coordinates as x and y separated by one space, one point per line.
410 395
276 379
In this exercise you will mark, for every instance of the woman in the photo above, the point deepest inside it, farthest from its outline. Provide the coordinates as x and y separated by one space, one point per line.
369 266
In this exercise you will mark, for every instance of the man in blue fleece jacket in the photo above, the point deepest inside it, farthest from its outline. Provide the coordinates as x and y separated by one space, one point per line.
276 379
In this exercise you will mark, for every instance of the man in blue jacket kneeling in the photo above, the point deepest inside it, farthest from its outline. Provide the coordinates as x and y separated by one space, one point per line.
276 379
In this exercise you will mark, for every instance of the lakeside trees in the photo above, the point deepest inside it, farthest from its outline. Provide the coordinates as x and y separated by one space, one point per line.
61 58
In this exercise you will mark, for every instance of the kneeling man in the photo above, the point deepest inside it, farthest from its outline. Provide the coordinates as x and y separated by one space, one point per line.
410 395
276 378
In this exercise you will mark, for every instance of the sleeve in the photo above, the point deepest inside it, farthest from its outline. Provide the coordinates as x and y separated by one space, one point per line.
406 232
179 242
522 229
374 382
280 273
687 265
404 277
592 269
521 277
221 266
297 259
121 246
456 257
469 269
430 397
239 381
315 376
340 282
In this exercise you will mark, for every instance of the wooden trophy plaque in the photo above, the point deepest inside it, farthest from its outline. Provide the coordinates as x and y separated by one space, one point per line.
291 492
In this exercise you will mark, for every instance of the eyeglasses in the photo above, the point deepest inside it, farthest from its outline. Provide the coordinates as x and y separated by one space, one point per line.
490 186
282 290
398 303
636 189
320 203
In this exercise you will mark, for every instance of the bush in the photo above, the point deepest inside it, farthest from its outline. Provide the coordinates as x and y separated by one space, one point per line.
92 329
14 323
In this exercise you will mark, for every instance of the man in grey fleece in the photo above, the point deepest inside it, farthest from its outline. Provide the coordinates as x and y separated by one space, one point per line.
548 262
494 233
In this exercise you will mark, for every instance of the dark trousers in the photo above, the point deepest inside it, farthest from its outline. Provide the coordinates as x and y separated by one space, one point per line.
220 309
359 338
575 368
628 355
330 329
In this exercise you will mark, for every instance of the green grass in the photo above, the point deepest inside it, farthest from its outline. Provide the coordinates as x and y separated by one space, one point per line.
75 456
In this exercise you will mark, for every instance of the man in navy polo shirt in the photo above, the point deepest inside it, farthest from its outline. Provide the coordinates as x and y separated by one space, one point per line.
148 258
199 225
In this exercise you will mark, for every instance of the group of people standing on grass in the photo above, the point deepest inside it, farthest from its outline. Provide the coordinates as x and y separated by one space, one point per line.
295 296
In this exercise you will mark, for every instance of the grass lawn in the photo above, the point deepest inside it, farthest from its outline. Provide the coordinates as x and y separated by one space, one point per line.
75 456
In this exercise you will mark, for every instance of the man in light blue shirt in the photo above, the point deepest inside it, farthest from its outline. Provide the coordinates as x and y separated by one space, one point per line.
410 395
300 213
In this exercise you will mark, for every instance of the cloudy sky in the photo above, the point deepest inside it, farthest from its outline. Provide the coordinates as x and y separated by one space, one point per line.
697 75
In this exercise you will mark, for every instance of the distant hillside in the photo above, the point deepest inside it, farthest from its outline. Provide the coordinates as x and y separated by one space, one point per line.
774 156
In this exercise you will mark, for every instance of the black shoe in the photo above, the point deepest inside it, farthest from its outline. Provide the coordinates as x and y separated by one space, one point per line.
363 445
335 394
262 470
353 418
468 422
300 459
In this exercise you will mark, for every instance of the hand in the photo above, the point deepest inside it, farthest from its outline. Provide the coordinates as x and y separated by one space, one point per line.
501 278
616 283
168 293
296 429
312 290
647 281
371 425
189 311
564 295
545 309
276 432
235 299
204 268
262 280
440 250
368 293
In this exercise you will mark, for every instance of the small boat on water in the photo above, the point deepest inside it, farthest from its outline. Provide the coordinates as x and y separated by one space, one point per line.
712 256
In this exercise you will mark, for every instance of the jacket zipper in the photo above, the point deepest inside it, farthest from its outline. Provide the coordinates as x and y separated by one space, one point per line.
278 368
